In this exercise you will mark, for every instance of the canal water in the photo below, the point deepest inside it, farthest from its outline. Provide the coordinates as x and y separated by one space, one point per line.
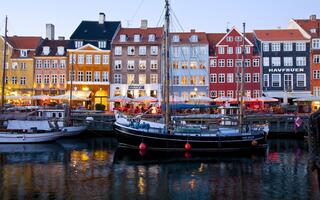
92 168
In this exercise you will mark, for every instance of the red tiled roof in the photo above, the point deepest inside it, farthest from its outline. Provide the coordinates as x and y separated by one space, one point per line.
279 35
143 32
213 39
24 42
308 24
185 37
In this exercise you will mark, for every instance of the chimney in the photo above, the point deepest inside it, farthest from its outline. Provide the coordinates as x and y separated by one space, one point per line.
193 30
144 24
313 17
50 31
102 18
61 38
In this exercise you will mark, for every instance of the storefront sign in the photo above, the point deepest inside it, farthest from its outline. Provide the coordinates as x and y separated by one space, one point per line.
136 87
286 70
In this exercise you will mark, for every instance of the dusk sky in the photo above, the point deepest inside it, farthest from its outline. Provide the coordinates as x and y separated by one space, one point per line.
29 17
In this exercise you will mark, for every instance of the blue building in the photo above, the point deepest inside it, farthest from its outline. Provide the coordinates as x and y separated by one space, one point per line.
285 63
189 64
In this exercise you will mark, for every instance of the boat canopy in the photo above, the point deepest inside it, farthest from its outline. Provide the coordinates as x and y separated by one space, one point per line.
28 124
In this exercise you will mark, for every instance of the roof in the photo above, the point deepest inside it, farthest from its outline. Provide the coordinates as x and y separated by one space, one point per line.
308 25
143 32
185 37
53 44
213 39
279 35
24 42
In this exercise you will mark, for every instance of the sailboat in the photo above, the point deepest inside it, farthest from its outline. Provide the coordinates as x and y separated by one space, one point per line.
173 135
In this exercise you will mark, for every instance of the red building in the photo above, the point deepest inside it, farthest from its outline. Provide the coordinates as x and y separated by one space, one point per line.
225 61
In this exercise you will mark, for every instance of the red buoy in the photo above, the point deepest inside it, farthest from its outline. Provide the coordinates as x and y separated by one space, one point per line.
187 155
142 146
187 146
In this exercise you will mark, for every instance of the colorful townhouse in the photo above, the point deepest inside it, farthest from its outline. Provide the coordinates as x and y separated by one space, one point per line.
90 50
136 61
310 28
189 57
20 64
285 63
51 67
226 63
9 53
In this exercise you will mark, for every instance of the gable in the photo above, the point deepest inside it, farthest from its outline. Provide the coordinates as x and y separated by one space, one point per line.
89 47
233 32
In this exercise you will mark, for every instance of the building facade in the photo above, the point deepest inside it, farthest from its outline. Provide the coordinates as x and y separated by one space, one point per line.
226 64
51 59
136 61
285 61
89 59
310 28
189 57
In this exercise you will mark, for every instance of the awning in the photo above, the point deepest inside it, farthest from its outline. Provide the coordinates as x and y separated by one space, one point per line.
76 95
310 98
290 95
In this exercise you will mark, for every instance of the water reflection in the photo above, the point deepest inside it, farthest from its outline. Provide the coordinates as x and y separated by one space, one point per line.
90 168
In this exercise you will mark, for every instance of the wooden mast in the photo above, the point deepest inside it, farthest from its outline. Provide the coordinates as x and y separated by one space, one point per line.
71 87
167 65
4 64
242 76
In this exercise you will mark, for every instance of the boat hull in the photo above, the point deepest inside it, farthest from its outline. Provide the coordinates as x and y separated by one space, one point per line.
132 138
7 137
71 131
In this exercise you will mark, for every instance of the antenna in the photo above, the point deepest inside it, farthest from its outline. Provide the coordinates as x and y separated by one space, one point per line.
228 29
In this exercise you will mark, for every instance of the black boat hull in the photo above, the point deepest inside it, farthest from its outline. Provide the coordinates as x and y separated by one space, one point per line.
132 138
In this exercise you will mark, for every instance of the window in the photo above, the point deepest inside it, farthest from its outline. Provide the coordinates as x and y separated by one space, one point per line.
275 46
105 59
193 65
230 50
46 79
256 62
123 38
202 65
248 93
193 51
80 75
60 50
81 59
14 80
276 80
131 50
213 78
175 38
287 46
118 78
300 46
152 37
38 78
54 79
72 75
238 38
153 78
88 76
255 77
213 93
73 58
193 80
117 64
230 93
23 65
316 43
238 50
38 64
184 80
61 78
316 91
316 58
142 79
316 74
276 61
102 44
221 62
136 38
194 38
229 39
256 93
213 63
130 78
184 65
118 51
221 93
221 50
54 64
88 59
266 62
301 61
130 65
287 61
62 64
78 44
23 53
229 78
105 76
142 64
221 78
247 63
154 50
247 78
313 30
265 47
175 80
265 80
96 77
238 63
46 64
142 50
97 59
22 80
301 80
175 51
247 50
229 63
153 64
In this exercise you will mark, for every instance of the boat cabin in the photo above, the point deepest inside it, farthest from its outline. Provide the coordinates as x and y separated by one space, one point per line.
52 113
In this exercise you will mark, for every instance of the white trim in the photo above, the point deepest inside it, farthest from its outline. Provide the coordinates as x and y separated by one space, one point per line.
87 45
293 24
227 34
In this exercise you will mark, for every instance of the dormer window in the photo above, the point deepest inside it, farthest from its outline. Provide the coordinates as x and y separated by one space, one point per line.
194 38
152 37
102 44
175 38
23 53
123 38
46 50
313 30
78 44
60 51
238 38
136 38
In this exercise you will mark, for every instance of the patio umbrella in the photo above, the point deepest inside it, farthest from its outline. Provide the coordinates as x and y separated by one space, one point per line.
309 98
120 99
67 97
145 99
40 97
201 99
267 99
14 97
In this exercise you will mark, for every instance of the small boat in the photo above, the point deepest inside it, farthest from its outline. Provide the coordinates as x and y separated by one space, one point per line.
27 131
70 131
